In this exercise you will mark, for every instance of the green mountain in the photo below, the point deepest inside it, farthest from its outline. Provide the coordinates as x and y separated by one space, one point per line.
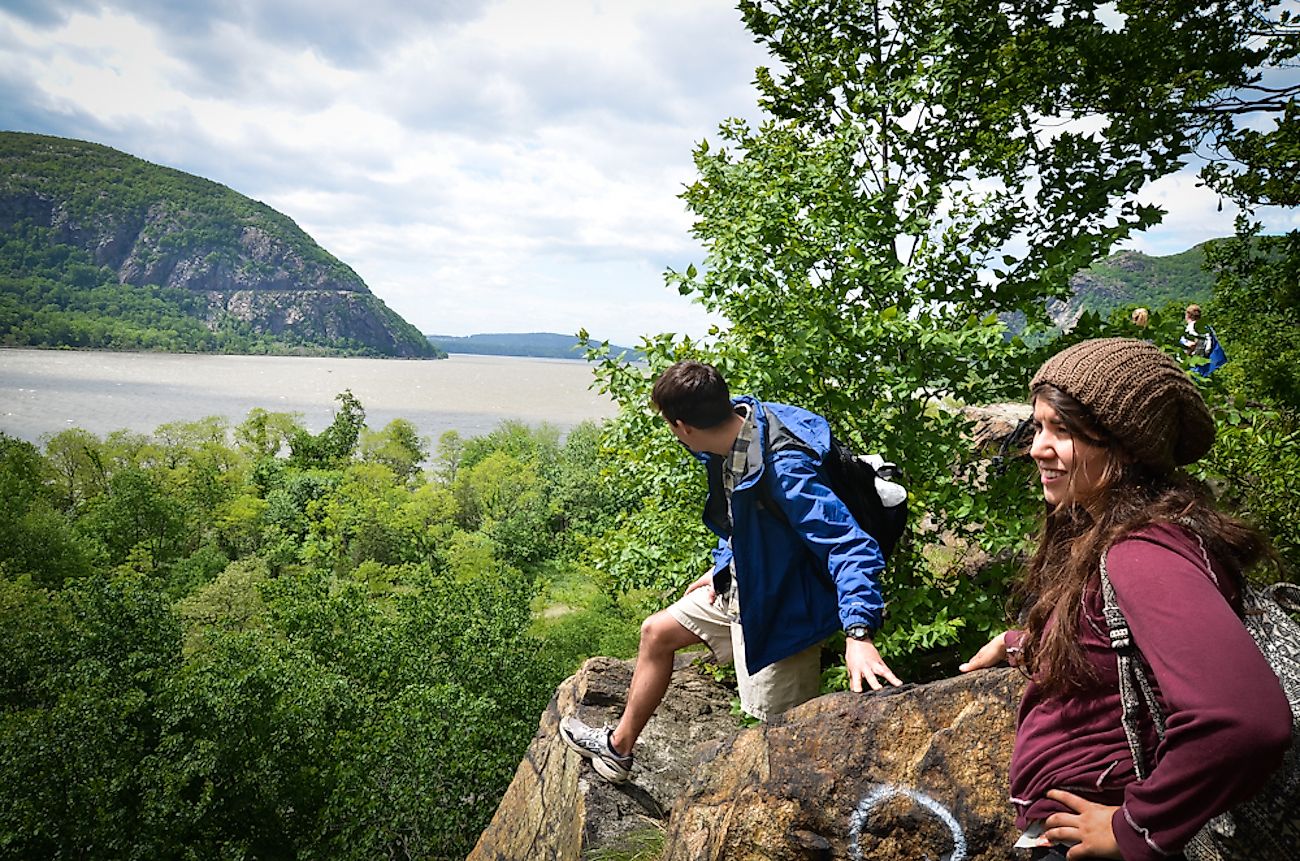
101 249
544 345
1133 278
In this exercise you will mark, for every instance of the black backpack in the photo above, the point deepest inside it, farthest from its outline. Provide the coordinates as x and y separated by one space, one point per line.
868 485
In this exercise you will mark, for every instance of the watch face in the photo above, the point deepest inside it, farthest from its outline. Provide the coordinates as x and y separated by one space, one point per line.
857 632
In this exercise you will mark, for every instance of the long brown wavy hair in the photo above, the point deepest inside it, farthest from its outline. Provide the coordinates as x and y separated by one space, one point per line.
1075 534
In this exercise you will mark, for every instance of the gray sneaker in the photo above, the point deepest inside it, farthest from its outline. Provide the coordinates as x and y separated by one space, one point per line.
594 743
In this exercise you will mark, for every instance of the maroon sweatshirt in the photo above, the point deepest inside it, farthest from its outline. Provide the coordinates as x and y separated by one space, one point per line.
1228 723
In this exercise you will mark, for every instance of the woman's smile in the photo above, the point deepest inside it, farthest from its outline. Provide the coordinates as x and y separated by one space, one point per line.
1069 468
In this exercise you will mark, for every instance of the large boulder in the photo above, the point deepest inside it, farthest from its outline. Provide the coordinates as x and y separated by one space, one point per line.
917 772
911 773
558 808
994 428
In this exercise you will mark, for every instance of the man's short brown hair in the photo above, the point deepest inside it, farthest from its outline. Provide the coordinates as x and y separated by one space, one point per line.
694 393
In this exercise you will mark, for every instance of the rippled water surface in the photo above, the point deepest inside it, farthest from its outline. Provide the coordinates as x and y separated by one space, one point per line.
45 391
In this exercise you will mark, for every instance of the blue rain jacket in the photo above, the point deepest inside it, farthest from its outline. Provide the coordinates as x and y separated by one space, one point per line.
808 576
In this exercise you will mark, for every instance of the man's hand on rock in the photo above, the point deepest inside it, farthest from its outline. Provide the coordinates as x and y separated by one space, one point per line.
864 662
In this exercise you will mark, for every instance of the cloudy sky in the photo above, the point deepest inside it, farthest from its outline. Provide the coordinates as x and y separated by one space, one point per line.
484 165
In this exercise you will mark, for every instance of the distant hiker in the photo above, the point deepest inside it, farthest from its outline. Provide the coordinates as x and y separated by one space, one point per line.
1125 528
1202 345
1192 341
1213 350
1141 316
781 582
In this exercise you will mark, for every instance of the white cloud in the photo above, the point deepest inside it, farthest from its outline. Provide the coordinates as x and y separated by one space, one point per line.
1194 214
112 63
483 166
503 165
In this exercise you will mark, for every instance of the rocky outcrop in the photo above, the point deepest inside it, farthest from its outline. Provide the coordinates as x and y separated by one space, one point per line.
167 249
919 772
557 809
910 773
336 316
994 428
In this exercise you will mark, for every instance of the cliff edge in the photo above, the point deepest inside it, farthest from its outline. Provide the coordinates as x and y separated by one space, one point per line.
920 771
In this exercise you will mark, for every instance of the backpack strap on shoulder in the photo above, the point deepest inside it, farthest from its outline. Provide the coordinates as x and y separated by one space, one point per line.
1135 690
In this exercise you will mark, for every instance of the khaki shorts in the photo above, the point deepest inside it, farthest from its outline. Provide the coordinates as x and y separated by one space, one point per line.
773 689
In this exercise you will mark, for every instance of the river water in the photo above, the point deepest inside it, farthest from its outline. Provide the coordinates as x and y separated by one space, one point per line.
45 391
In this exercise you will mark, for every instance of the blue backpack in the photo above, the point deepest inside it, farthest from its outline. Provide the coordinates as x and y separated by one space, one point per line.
1212 350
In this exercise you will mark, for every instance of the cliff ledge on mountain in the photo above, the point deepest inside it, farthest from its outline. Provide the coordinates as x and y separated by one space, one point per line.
915 772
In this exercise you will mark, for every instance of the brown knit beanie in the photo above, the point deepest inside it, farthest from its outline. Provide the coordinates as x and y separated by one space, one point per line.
1141 396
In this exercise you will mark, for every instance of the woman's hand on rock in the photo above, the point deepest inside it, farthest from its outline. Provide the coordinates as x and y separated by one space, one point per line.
1089 827
993 653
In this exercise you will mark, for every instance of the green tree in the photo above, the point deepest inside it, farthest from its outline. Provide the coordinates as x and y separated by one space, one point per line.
134 514
36 538
1256 313
82 673
539 446
1256 308
448 455
265 434
77 460
231 602
586 496
924 166
334 446
245 756
360 520
398 446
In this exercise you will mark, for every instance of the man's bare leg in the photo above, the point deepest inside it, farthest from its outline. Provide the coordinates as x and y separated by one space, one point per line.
661 637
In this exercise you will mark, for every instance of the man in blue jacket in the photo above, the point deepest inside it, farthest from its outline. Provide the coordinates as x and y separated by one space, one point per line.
781 583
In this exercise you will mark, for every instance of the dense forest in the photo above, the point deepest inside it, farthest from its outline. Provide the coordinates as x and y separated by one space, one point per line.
256 642
101 249
259 642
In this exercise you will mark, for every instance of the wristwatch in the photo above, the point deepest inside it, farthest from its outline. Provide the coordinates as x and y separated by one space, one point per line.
857 632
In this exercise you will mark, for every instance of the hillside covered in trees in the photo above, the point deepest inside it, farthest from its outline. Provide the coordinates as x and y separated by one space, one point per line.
101 249
1129 278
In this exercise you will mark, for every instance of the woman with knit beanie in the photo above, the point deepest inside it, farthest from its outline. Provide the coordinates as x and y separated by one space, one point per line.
1114 420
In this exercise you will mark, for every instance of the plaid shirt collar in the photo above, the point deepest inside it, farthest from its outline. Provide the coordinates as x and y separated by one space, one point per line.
738 459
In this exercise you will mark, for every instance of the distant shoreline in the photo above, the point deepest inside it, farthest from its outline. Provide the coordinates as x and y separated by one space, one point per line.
307 355
538 345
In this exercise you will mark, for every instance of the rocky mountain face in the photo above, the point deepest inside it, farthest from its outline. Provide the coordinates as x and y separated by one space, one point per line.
916 772
1094 290
151 226
1128 278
